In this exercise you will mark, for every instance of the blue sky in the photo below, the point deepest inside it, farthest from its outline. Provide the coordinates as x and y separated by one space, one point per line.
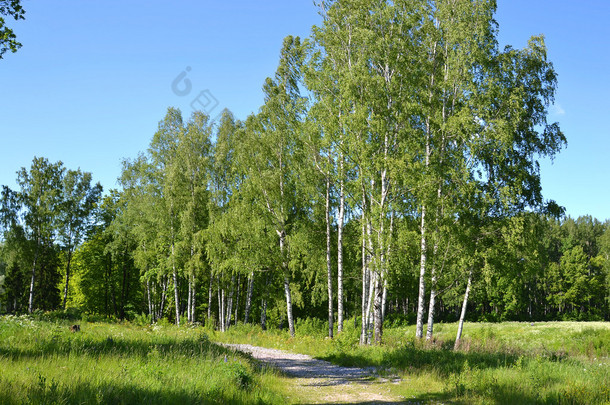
94 78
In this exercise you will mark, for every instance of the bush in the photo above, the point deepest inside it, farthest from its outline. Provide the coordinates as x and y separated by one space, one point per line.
311 327
139 319
396 320
239 374
69 314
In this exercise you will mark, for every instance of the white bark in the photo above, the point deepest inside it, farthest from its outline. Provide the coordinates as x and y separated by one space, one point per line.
32 282
249 296
210 296
384 299
431 305
176 296
164 285
365 283
369 307
287 292
329 271
463 314
194 300
221 305
378 313
189 302
340 220
419 332
150 307
237 299
229 306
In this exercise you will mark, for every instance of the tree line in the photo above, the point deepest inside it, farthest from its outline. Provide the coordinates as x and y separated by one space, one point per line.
390 174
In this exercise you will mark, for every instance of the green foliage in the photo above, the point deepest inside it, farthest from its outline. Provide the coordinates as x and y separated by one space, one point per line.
312 327
393 109
8 39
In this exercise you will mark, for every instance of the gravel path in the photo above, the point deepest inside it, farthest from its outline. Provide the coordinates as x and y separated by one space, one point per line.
303 366
314 381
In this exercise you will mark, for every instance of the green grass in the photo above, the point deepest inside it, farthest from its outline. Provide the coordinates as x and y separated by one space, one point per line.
507 363
44 363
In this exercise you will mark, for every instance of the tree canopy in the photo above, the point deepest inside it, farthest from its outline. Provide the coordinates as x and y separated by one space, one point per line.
391 173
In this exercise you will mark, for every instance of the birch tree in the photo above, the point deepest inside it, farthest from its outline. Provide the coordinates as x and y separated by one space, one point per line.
273 136
39 200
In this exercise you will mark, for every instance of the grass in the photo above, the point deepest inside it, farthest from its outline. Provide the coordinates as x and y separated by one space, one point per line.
45 363
507 363
42 362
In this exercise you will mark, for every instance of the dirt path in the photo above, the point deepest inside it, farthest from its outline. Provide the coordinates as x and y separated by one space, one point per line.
320 382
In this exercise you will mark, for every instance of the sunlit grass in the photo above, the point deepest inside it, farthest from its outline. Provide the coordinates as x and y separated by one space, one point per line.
43 362
512 362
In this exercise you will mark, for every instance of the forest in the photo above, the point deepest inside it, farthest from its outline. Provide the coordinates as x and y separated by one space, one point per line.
390 177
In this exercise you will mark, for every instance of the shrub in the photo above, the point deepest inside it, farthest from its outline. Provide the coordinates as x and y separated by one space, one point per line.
311 327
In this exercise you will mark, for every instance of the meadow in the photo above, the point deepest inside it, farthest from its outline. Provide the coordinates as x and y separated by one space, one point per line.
43 362
497 363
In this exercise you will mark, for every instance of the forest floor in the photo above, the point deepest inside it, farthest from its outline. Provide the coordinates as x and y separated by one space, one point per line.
320 382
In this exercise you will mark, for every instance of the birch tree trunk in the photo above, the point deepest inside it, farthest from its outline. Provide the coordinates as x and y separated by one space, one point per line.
378 317
249 296
210 296
264 314
229 306
32 282
431 304
329 271
176 295
194 300
221 306
373 282
67 276
150 306
369 307
163 297
365 276
340 223
237 299
463 314
287 292
189 317
419 332
384 299
340 220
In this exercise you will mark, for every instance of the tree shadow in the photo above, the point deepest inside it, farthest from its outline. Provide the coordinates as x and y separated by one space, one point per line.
105 393
113 345
414 359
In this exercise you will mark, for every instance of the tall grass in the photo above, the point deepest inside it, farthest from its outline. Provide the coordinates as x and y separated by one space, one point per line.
44 363
507 363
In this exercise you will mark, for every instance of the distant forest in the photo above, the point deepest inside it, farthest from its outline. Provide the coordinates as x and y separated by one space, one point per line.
390 176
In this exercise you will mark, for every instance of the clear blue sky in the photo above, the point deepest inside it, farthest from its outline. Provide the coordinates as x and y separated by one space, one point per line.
94 78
